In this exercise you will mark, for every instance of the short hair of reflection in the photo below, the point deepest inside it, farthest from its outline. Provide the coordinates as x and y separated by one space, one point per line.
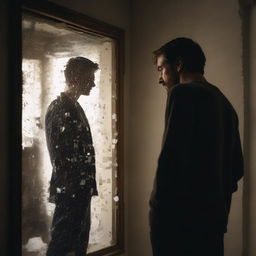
78 66
185 51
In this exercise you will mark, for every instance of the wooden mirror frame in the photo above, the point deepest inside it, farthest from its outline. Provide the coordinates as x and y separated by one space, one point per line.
80 22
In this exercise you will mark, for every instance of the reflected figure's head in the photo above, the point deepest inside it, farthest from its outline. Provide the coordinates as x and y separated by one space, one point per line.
79 74
179 56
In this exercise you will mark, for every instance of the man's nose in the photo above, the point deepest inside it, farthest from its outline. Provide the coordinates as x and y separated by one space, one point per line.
161 81
160 76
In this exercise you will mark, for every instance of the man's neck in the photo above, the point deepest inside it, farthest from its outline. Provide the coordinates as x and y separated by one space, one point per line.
72 94
190 77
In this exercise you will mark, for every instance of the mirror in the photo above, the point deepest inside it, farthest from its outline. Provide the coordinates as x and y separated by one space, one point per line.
48 42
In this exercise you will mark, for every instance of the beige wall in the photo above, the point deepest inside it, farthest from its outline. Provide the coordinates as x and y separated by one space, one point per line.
216 26
252 137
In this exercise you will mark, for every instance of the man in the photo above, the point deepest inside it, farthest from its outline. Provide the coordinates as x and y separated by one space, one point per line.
72 156
200 161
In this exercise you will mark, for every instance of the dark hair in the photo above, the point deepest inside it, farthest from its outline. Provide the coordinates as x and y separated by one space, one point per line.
77 66
183 50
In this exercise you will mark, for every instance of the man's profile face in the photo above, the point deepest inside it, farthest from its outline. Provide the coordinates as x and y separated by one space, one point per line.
86 82
168 75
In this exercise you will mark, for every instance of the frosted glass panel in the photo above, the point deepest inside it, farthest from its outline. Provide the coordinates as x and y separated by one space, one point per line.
47 46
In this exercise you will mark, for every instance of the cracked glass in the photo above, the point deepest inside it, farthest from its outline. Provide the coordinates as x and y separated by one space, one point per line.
47 47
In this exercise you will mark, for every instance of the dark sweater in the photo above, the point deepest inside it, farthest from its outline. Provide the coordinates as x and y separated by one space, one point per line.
200 161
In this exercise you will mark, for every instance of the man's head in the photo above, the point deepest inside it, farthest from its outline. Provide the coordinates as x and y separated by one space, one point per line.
181 55
79 74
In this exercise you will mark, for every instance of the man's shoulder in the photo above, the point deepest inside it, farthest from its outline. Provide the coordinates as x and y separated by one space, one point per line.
60 104
199 90
202 93
188 92
195 88
54 105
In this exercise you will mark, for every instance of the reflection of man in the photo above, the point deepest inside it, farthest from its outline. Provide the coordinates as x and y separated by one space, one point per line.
200 161
72 156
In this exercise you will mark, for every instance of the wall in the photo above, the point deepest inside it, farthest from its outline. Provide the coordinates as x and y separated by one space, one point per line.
252 137
216 26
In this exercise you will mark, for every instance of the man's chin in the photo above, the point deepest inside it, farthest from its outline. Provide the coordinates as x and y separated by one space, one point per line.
169 87
86 93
